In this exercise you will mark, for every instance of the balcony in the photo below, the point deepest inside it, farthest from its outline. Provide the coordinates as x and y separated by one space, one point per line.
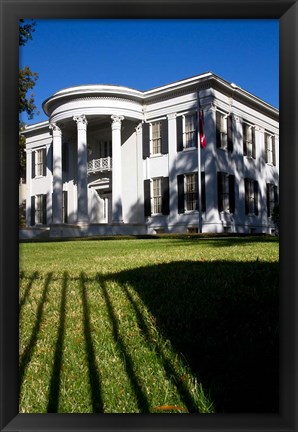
99 165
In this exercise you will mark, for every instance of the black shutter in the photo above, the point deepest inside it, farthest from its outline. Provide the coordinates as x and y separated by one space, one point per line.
246 188
44 162
203 192
179 133
32 211
198 197
180 184
33 165
220 191
44 209
146 140
65 157
256 197
165 201
275 195
253 140
197 130
273 151
65 218
232 193
218 121
266 147
230 133
244 134
164 137
268 199
147 201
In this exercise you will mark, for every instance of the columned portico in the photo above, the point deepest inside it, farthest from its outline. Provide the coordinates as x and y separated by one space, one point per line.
82 169
57 174
116 172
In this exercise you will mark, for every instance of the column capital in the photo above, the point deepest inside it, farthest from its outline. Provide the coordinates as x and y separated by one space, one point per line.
55 127
172 116
116 121
80 119
138 128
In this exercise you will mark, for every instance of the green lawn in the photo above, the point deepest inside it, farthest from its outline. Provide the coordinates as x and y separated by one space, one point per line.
149 325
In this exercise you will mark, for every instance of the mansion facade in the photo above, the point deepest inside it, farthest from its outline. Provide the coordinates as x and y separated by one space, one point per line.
196 155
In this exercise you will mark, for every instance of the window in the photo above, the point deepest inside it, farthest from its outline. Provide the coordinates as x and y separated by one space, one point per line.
251 196
64 207
226 192
191 191
39 163
188 192
105 149
269 148
272 198
224 131
190 131
155 138
249 145
156 196
38 209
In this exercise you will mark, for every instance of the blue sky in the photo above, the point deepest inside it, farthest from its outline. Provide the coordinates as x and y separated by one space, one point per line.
144 54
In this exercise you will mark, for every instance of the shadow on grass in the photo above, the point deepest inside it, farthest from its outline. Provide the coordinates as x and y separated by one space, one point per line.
34 276
223 318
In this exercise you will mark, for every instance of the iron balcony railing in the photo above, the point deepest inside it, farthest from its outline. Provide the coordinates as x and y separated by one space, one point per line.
99 165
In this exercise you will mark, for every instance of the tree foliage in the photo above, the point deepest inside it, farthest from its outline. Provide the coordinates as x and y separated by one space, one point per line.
27 80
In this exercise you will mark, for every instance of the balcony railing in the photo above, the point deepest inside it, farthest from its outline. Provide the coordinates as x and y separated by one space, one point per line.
99 165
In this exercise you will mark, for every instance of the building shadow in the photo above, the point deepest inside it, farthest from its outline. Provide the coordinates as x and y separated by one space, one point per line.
222 317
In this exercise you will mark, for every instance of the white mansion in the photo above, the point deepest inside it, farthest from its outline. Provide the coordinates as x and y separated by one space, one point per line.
114 160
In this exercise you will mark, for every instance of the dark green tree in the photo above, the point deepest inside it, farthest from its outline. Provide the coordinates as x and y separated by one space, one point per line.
27 80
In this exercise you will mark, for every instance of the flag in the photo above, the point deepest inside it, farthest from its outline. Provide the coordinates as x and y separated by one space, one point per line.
201 129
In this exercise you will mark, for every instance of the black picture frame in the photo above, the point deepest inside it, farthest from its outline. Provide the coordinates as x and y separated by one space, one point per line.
287 14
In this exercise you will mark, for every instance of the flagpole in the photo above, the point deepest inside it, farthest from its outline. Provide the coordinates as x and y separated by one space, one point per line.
199 163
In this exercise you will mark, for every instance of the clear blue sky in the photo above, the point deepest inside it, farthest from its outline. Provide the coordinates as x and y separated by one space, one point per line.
144 54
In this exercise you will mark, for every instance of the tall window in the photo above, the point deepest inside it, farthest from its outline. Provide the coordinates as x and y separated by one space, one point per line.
190 131
191 191
226 192
249 146
272 198
105 149
39 163
64 207
156 138
38 209
156 196
224 137
269 148
251 196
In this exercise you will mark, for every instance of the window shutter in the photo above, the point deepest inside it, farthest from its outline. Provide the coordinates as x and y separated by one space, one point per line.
244 134
203 192
230 133
273 151
232 193
266 147
32 211
33 165
164 137
44 209
197 130
218 121
246 188
198 197
65 157
220 191
44 162
253 139
179 133
147 201
165 204
65 218
146 140
256 197
180 184
268 199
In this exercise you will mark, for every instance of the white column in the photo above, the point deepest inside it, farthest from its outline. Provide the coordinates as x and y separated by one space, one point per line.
116 170
57 174
28 186
82 169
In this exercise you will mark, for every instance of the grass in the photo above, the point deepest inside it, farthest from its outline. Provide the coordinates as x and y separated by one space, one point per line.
175 325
